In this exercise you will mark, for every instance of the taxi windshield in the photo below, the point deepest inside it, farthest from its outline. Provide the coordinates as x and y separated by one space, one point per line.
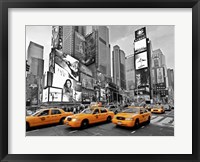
131 110
87 111
36 113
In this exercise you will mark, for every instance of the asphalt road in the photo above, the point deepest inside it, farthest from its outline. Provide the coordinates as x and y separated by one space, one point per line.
161 125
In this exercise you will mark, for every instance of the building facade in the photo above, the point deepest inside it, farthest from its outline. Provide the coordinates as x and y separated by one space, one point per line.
130 76
119 69
34 77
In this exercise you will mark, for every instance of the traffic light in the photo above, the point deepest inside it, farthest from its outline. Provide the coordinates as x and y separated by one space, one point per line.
27 66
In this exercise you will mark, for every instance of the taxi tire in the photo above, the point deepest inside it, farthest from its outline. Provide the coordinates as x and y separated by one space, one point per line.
109 119
61 121
137 123
149 120
84 123
27 126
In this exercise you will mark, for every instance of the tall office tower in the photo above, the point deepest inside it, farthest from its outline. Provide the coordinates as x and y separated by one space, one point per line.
68 39
159 72
35 74
130 72
170 74
119 77
103 56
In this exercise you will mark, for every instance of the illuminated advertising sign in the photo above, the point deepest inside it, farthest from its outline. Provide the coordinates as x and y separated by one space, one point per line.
90 48
45 95
140 45
55 94
142 77
80 47
141 61
85 70
87 82
160 75
70 64
55 36
59 77
140 33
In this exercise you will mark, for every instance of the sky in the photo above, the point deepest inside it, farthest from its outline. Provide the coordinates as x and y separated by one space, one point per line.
161 36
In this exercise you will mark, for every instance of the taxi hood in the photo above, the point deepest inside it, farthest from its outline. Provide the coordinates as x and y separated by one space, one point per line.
127 115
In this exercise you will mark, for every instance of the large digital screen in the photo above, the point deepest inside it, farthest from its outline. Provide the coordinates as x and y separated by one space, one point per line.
140 33
80 53
55 36
87 82
70 64
91 48
55 95
59 77
140 45
142 77
160 75
141 61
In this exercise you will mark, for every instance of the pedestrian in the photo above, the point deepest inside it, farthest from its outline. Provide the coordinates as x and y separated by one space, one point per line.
74 111
78 109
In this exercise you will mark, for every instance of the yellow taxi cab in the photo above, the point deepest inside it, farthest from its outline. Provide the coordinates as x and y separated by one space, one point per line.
46 116
91 115
159 109
132 117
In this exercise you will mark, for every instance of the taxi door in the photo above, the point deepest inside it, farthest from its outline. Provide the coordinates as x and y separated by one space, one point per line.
146 115
103 114
142 116
56 115
95 116
43 118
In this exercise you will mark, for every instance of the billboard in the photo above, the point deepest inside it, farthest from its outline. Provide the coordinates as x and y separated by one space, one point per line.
45 95
140 45
55 36
87 82
160 75
140 33
141 61
79 47
55 95
142 77
90 48
85 70
72 91
68 63
59 77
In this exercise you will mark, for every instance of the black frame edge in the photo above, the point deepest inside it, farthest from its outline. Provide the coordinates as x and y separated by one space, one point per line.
4 156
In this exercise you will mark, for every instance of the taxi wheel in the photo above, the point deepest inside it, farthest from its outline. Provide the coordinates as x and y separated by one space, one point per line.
62 121
148 121
108 119
137 124
84 124
27 126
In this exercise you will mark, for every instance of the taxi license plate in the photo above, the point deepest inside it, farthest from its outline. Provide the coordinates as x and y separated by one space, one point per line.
119 123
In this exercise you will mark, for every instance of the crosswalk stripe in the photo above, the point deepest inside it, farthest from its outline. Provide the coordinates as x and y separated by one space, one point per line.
166 120
153 117
157 119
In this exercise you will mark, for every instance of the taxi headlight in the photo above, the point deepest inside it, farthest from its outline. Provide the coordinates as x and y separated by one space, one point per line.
129 119
74 119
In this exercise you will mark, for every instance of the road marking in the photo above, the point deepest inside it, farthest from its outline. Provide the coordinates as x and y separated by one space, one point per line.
153 117
73 131
133 132
167 120
157 119
142 127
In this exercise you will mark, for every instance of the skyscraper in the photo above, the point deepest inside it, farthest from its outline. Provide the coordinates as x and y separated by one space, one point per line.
104 57
35 75
119 67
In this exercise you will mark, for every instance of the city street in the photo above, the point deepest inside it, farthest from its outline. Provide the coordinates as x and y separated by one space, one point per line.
161 125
